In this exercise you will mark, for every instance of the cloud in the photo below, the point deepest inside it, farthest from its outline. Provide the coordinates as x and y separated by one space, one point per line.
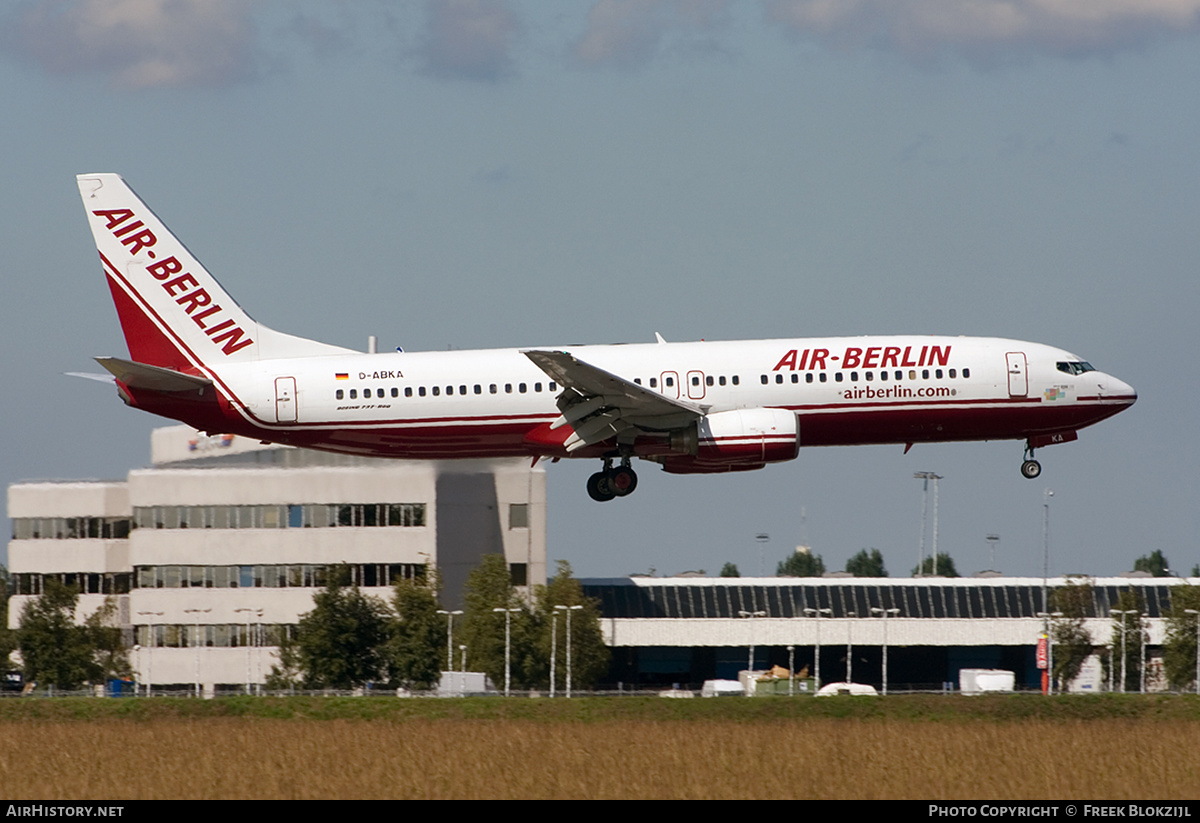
629 33
136 43
469 39
988 31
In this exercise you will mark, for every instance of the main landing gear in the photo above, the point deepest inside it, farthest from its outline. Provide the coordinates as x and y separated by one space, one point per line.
611 482
1030 468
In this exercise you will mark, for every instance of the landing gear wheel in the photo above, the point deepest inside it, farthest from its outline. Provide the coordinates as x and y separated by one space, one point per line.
1031 469
622 480
600 488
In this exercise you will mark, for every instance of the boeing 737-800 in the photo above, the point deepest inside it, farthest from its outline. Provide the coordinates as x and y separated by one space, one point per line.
197 357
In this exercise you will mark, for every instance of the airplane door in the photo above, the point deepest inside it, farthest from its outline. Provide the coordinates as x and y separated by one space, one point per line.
285 399
1018 380
670 384
695 385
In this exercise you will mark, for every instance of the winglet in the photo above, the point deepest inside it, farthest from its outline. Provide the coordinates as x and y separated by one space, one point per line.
659 338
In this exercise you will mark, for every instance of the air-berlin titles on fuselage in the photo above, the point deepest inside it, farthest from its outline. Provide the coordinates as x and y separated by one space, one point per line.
875 357
195 300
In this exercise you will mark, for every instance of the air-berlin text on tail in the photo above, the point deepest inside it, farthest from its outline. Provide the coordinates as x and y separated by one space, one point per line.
177 283
873 357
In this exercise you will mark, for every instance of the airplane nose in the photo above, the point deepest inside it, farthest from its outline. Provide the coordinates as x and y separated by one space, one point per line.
1116 389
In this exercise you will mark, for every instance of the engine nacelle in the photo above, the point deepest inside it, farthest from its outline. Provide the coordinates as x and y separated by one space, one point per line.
737 440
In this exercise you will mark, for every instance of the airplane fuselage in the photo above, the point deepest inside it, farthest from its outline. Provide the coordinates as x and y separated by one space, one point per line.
493 402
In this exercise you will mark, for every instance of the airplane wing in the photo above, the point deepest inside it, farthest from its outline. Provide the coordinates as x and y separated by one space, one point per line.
599 405
145 376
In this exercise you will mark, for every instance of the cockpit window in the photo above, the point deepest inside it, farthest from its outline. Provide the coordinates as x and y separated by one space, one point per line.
1074 367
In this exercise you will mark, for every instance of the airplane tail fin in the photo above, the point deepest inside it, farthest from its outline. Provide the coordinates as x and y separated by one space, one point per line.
175 314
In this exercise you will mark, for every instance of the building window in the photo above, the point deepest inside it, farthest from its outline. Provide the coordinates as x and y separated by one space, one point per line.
518 515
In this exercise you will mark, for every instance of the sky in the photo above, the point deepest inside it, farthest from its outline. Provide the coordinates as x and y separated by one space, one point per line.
468 174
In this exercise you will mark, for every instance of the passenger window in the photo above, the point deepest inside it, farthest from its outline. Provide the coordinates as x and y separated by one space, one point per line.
808 378
953 373
537 386
354 394
870 375
395 392
883 375
462 390
437 391
708 381
824 377
795 377
637 380
553 386
938 374
838 377
924 374
408 391
449 390
721 380
492 388
764 380
522 388
654 382
853 377
735 379
669 382
778 378
340 394
478 389
421 391
966 373
695 380
508 388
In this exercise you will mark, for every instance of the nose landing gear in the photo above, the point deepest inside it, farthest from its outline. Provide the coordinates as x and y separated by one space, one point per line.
612 482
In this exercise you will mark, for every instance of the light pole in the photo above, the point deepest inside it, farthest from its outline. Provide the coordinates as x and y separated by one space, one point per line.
992 540
462 671
449 636
1123 655
926 477
248 612
791 671
751 615
885 614
1197 613
568 610
850 647
816 613
150 651
507 646
553 646
196 642
762 538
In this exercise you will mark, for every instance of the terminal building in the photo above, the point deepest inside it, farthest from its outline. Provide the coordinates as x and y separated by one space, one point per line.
215 551
666 631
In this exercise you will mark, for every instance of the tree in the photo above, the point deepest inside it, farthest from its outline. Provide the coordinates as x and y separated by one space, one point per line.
104 634
1072 641
801 563
489 587
1154 563
589 655
730 570
944 567
8 637
417 647
1179 647
867 564
55 649
341 643
1132 628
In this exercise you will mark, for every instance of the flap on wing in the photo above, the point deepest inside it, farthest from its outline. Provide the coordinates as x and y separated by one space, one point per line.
600 405
154 378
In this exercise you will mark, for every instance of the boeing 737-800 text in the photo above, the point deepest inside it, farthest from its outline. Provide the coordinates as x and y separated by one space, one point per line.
196 356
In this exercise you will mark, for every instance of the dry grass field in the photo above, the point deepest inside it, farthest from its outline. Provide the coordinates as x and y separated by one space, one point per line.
597 748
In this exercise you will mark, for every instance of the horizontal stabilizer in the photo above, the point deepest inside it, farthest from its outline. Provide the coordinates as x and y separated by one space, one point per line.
153 378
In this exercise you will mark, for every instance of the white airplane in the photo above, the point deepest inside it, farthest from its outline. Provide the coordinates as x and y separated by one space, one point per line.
197 357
